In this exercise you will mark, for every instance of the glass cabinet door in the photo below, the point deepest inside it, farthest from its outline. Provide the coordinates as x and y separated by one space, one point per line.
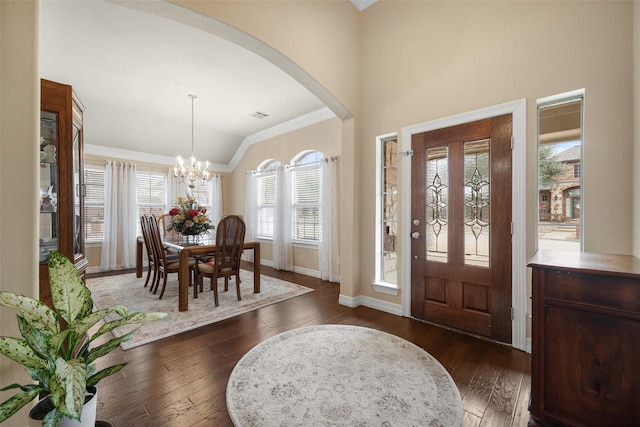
78 190
48 183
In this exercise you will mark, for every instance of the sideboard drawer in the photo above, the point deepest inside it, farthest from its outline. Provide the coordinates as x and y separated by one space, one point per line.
600 290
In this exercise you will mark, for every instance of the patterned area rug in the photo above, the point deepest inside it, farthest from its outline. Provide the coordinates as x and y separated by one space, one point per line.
337 375
127 290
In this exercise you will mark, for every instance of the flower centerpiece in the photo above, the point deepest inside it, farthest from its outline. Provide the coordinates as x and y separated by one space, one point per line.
188 218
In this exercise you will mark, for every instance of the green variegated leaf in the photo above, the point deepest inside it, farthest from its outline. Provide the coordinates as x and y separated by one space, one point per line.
56 341
52 419
43 376
35 312
67 387
16 402
107 347
121 310
71 297
91 369
132 319
36 339
93 380
81 327
19 351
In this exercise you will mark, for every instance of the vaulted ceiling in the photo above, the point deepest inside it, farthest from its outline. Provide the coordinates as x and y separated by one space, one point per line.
133 71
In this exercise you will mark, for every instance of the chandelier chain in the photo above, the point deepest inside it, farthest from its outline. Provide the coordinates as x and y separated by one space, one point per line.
193 174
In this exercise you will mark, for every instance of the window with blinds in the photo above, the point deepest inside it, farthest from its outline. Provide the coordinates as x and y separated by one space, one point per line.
202 194
266 189
151 199
94 204
151 192
306 178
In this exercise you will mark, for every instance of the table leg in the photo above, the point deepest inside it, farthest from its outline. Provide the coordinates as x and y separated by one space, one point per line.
256 268
183 281
138 258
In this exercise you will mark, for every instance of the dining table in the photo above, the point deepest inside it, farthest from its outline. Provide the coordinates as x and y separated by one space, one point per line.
202 246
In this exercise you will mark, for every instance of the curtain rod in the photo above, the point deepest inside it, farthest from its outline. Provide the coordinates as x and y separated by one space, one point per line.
324 159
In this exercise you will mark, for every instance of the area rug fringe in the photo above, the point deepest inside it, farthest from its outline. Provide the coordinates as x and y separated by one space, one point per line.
129 291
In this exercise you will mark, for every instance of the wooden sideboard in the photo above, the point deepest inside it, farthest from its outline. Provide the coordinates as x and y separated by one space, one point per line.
585 361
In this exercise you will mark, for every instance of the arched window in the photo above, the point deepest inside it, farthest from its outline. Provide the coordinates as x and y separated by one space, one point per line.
306 180
266 189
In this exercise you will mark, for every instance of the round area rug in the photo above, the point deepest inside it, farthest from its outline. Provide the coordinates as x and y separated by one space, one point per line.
339 375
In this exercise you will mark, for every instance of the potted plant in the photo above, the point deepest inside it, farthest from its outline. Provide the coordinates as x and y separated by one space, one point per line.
61 359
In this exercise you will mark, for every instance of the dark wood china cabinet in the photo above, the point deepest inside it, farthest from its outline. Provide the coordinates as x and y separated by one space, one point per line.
61 179
585 361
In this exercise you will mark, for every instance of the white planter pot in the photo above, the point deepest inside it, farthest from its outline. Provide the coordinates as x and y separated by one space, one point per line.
87 417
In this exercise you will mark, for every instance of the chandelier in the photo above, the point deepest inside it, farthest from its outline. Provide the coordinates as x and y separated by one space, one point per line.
193 174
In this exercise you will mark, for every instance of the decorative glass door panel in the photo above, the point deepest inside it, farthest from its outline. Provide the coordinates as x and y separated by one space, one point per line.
436 224
477 203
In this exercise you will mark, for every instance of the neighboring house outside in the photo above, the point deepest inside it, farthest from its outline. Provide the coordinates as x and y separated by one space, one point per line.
560 199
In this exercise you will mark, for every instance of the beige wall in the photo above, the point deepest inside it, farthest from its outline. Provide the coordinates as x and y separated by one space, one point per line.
19 109
445 58
323 38
636 121
325 136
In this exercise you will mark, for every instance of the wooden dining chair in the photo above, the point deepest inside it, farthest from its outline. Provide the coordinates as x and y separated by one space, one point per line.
166 264
225 262
146 236
163 223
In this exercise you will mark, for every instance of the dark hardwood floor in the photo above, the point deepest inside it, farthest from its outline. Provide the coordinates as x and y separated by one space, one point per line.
181 380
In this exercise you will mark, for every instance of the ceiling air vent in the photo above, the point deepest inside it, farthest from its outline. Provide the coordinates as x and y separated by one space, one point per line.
259 115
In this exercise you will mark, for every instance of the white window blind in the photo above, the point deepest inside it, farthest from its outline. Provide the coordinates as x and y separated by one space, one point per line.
94 204
266 183
202 194
152 194
306 176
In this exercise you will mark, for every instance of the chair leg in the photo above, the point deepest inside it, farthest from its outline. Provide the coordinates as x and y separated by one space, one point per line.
226 283
238 286
164 285
196 281
198 278
156 274
146 282
156 280
214 286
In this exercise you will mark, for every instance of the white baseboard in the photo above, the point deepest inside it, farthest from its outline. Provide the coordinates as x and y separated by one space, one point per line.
299 270
94 269
374 303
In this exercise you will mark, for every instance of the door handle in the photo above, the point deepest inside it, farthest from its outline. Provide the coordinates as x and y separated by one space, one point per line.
415 235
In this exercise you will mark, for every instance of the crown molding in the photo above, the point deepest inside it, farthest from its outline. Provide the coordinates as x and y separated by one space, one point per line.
297 123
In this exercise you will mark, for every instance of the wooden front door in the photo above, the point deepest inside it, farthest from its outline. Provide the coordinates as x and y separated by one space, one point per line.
461 227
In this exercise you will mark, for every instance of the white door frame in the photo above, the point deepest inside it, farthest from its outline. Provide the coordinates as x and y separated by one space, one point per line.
518 110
